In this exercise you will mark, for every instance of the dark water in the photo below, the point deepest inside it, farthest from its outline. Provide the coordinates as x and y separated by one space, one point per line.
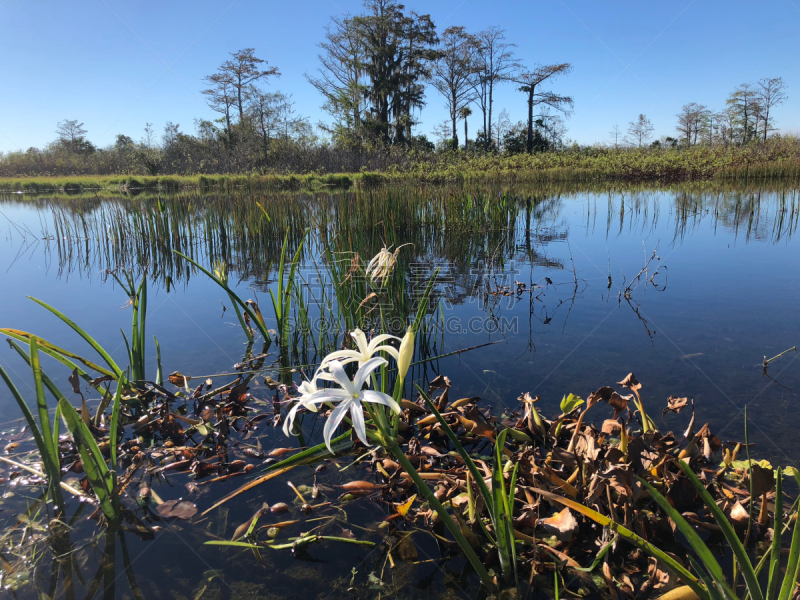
722 291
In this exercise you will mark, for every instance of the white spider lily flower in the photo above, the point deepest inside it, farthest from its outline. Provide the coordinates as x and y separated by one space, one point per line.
306 389
349 398
406 354
365 352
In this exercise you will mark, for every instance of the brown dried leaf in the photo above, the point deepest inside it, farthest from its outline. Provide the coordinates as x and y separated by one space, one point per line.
476 428
176 378
739 515
239 393
406 549
75 382
360 486
630 382
675 404
440 382
178 509
562 525
612 427
659 577
619 403
763 479
604 393
280 452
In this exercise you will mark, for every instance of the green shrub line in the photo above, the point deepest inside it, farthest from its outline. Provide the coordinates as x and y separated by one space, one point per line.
777 159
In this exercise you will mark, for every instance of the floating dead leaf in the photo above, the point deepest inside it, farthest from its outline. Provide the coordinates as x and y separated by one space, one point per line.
406 549
279 507
630 382
178 379
239 393
347 533
11 447
675 404
360 486
242 529
280 452
462 401
177 509
562 525
476 428
617 477
402 509
411 406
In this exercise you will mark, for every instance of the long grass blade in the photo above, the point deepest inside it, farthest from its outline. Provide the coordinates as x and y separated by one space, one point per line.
94 465
730 535
777 531
697 544
48 383
58 353
793 564
98 348
505 535
261 327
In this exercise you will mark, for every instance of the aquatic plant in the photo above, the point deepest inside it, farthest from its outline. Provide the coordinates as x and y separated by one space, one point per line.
45 433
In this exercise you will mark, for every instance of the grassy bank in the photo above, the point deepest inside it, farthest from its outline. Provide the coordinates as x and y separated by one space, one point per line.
778 159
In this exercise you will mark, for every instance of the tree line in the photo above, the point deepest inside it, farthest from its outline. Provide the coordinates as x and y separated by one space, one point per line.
374 72
748 116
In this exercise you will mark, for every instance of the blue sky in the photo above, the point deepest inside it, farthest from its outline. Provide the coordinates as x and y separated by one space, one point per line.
116 65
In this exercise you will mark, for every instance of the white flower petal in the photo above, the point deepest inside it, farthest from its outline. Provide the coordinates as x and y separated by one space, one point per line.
380 398
333 422
361 341
348 356
289 422
379 339
364 371
357 415
326 395
340 376
389 350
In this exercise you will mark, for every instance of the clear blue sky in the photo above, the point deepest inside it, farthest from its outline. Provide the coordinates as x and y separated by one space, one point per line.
116 65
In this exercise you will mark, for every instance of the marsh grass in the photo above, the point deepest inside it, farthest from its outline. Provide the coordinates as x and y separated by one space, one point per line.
777 159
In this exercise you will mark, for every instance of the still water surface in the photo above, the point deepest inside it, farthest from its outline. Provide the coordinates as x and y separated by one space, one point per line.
545 277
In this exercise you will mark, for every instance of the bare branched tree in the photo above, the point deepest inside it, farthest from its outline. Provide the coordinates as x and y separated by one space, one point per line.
454 69
495 64
530 82
640 131
616 135
771 92
70 132
692 120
